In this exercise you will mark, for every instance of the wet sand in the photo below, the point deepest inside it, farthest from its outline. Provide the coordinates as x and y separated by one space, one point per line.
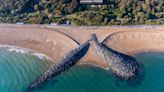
56 41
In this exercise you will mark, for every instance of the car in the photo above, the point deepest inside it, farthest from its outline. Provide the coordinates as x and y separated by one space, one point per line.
20 23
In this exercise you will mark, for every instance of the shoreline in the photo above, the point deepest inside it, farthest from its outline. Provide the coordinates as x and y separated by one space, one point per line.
41 56
146 50
22 50
53 42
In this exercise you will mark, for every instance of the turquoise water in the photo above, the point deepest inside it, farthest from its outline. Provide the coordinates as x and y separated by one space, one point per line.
18 70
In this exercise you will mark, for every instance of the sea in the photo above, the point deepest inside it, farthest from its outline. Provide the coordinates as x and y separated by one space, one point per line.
18 68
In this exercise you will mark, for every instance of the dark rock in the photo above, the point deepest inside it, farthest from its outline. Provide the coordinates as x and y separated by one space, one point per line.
122 65
64 64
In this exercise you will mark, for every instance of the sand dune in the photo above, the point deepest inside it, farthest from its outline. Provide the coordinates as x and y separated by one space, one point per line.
57 40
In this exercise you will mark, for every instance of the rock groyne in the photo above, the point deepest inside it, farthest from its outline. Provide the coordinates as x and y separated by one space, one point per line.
122 65
66 62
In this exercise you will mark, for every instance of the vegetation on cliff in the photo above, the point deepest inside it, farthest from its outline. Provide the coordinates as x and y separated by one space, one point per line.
111 12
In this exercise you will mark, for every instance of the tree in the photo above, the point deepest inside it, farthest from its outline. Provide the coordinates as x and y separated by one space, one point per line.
36 7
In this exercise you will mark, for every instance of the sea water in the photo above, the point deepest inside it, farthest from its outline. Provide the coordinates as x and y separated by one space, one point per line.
18 70
94 79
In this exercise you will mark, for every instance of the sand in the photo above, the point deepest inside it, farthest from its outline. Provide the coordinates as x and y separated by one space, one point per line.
55 41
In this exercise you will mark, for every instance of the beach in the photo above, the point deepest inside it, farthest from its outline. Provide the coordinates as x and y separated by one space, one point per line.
56 41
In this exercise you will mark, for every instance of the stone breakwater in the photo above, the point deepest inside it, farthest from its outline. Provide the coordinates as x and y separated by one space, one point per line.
66 62
122 65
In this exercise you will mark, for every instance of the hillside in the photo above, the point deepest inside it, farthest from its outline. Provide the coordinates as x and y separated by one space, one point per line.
111 12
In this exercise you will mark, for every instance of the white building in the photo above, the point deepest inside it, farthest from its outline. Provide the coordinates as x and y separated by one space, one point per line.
91 1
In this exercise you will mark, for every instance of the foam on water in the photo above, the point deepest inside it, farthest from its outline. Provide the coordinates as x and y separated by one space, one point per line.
18 50
40 56
24 51
18 69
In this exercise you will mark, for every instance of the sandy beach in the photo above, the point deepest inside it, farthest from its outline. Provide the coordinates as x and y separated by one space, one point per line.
55 41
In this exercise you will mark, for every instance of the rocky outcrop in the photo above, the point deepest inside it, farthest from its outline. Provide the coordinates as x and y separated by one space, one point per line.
122 65
64 64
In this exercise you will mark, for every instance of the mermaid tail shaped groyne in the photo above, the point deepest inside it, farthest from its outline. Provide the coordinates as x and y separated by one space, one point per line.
66 62
122 65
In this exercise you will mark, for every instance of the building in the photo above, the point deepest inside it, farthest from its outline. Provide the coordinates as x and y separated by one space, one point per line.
91 1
